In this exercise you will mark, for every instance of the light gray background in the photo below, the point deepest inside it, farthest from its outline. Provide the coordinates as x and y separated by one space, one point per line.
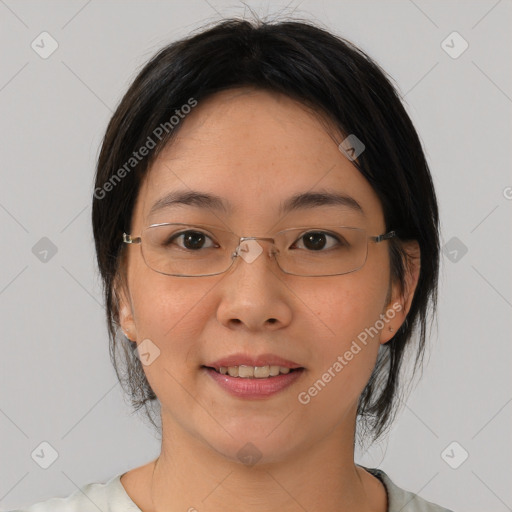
57 382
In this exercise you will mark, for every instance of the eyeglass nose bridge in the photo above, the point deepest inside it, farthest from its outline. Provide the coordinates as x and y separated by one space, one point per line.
244 248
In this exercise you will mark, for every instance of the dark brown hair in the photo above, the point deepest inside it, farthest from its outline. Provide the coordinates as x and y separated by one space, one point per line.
319 69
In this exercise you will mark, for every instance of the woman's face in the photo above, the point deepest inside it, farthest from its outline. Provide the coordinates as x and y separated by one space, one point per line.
255 150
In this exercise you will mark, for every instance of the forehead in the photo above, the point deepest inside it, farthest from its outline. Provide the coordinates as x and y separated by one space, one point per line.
255 150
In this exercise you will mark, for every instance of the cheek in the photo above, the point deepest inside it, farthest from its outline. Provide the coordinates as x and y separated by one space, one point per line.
171 313
347 305
347 312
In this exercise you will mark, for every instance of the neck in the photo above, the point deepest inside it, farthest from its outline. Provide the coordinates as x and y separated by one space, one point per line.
190 475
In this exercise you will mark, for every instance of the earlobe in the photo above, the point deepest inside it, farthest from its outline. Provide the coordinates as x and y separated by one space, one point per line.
401 299
395 314
126 320
127 323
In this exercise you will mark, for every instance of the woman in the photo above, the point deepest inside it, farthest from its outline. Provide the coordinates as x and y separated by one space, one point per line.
266 228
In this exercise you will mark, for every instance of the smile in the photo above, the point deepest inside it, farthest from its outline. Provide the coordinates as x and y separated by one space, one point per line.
255 382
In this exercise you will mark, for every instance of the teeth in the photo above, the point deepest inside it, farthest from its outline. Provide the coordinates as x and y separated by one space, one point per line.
258 372
274 370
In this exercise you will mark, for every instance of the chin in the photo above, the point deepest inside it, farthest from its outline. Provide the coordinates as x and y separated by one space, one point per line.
251 446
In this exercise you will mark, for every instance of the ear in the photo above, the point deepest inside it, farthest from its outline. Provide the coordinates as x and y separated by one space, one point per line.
126 320
399 300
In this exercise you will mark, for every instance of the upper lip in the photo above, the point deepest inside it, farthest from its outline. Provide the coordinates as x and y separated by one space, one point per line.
259 360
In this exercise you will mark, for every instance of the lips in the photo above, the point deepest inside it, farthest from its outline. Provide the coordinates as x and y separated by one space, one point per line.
253 377
255 388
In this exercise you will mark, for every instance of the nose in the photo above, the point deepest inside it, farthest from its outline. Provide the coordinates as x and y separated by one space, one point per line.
254 295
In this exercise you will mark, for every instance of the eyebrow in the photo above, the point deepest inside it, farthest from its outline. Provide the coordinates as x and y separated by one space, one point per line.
302 201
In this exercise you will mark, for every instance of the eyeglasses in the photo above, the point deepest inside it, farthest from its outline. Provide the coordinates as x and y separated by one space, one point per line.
186 250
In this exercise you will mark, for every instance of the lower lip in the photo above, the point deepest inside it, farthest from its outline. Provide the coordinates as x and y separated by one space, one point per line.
254 388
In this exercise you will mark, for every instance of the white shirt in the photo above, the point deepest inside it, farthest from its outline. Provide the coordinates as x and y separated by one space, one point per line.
112 497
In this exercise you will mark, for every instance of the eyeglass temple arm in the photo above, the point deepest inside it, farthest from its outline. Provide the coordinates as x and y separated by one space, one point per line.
127 239
385 236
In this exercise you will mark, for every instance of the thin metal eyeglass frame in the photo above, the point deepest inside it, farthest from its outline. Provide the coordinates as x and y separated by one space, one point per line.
138 240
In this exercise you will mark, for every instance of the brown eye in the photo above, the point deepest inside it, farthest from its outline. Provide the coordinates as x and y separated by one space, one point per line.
317 240
192 240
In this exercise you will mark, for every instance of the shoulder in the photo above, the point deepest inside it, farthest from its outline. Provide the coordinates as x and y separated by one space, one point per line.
107 497
401 500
